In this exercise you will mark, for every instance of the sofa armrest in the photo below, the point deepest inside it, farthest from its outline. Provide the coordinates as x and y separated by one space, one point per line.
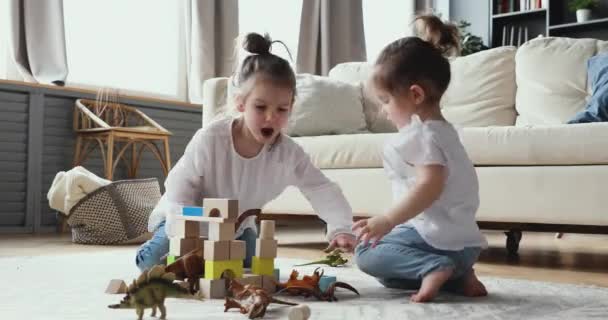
214 98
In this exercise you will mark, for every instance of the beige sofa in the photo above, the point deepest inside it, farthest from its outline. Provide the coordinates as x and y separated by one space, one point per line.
536 172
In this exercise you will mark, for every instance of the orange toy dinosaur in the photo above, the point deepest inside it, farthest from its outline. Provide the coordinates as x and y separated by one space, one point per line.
309 286
250 299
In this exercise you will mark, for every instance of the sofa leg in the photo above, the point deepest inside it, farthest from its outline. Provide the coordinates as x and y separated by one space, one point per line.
513 238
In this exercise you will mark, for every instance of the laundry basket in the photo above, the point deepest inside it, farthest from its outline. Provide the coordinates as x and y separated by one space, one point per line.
116 213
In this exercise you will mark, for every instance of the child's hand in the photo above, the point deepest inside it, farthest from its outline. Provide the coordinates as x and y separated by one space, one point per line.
345 242
373 229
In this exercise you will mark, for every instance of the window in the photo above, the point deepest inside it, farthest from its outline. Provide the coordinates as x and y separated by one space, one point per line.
136 46
279 18
385 21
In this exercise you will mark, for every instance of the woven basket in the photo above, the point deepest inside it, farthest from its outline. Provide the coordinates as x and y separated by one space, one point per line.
116 213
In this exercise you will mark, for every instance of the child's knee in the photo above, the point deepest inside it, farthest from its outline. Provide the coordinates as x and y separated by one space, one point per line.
367 261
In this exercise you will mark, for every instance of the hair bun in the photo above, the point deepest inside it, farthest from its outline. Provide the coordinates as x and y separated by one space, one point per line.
256 43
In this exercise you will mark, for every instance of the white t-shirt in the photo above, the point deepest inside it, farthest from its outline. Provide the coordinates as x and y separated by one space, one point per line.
449 223
211 167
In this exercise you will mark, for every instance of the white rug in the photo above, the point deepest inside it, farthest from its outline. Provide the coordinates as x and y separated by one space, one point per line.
72 287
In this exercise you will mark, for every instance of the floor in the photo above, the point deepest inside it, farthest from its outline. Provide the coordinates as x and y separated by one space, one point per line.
575 258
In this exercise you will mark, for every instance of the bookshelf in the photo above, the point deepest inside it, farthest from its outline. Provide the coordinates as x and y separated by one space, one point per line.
510 25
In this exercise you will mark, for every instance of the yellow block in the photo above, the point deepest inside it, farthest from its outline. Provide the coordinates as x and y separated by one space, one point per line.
214 269
262 266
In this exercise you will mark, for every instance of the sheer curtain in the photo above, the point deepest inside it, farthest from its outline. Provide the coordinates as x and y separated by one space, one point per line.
114 43
262 17
385 21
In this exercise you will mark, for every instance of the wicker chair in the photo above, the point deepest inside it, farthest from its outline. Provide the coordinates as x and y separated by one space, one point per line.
117 128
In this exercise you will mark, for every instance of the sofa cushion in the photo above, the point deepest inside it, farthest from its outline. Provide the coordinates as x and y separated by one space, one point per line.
326 106
359 73
481 91
323 106
575 144
552 78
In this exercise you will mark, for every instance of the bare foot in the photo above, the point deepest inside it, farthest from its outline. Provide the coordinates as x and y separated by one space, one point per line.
431 285
473 287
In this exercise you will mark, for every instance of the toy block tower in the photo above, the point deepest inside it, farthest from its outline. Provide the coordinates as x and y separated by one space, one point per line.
265 252
222 254
187 236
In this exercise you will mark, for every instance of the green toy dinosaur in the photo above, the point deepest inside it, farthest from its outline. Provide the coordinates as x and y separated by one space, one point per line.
334 259
150 291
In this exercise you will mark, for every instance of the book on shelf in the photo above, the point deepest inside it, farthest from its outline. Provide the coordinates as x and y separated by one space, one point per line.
508 6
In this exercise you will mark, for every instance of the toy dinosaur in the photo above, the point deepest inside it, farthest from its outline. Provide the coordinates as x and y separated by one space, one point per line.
150 291
309 286
334 259
250 299
190 266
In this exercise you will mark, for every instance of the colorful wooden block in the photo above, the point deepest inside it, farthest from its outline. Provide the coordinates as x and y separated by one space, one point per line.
215 269
217 250
187 228
267 229
225 208
262 266
117 286
221 231
253 279
193 211
181 246
201 219
171 259
266 248
237 250
325 281
269 284
213 288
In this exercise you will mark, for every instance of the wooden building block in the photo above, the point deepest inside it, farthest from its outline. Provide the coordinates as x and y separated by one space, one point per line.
267 229
187 229
213 288
237 250
181 246
201 219
193 211
215 269
116 286
253 279
266 248
217 250
269 283
277 274
221 231
225 208
262 266
171 259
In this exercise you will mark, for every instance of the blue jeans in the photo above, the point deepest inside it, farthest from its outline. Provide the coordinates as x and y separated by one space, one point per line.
151 252
402 259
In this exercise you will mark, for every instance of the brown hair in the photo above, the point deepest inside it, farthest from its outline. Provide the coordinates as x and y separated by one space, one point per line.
262 63
443 35
409 61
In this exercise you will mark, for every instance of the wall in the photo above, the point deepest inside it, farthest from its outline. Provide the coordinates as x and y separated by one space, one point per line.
37 141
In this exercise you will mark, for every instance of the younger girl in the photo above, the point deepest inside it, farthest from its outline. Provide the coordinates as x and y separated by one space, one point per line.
248 158
429 238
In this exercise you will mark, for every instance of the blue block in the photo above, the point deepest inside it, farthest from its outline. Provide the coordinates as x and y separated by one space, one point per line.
193 211
277 274
325 281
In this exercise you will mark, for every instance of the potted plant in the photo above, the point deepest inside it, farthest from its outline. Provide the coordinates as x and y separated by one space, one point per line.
582 9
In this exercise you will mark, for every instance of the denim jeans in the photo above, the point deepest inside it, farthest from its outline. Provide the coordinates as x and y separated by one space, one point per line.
151 252
402 259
